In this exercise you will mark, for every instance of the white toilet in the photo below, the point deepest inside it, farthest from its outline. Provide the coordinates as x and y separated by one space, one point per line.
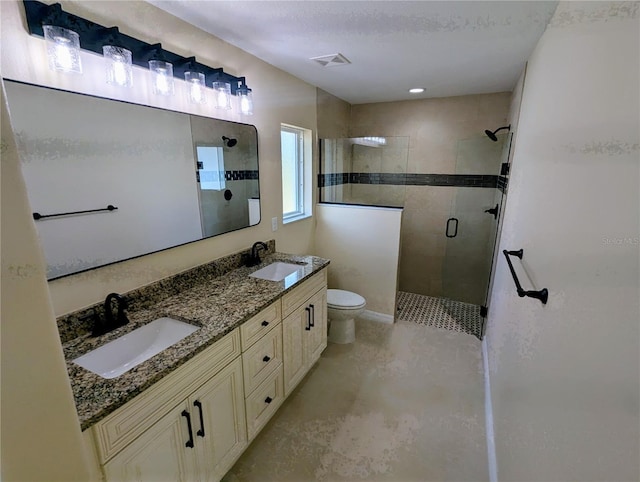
342 307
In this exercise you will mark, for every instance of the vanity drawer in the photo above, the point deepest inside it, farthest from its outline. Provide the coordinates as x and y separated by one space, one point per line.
262 359
264 402
254 329
121 427
302 293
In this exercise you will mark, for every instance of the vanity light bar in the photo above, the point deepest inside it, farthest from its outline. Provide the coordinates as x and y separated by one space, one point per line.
93 37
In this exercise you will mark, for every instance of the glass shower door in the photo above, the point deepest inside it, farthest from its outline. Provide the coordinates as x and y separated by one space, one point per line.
473 223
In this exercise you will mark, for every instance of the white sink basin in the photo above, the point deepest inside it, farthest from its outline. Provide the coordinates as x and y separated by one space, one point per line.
124 353
278 271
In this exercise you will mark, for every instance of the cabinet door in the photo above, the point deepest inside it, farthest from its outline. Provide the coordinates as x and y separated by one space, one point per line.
159 454
219 422
293 356
316 339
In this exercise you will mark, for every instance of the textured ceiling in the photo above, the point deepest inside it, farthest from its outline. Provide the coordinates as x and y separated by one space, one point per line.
449 48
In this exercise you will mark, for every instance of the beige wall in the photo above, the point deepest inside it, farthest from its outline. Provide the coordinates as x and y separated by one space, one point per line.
333 116
278 98
565 376
435 128
40 434
363 244
40 431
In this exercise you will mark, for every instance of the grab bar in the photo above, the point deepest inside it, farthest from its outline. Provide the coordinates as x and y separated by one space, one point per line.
37 216
542 295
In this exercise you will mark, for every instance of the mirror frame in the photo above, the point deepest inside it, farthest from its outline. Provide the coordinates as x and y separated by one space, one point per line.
5 80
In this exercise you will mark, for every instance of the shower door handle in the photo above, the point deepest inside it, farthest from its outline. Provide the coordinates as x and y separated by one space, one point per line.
493 210
448 230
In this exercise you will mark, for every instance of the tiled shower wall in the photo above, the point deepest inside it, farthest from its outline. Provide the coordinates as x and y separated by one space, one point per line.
440 132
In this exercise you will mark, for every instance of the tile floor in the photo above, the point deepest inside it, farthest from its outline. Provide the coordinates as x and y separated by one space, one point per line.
405 402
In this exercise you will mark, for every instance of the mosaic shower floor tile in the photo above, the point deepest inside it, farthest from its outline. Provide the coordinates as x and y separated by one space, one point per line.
439 313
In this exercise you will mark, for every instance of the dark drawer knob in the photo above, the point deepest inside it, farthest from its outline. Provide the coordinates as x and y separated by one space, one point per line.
265 323
268 400
266 358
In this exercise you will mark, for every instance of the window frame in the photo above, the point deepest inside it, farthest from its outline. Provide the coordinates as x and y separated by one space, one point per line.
302 176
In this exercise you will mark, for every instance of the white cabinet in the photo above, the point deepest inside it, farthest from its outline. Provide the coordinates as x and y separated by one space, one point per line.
197 440
218 422
316 340
304 330
262 365
189 426
194 424
158 454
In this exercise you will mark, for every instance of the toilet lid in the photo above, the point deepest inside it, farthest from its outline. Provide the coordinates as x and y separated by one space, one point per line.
344 299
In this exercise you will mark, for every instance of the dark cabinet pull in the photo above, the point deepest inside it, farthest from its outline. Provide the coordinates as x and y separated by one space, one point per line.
266 358
188 417
455 233
308 327
265 323
200 433
313 316
268 400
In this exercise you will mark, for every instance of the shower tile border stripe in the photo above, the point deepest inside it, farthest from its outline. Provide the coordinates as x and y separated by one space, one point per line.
408 179
241 175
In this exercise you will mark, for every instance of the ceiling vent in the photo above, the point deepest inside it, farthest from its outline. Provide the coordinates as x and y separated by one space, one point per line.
331 60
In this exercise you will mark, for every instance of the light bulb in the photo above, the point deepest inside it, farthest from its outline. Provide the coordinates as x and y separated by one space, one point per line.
162 83
246 102
119 73
63 56
196 87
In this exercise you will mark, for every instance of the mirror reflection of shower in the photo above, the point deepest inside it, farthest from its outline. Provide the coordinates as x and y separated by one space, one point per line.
229 141
492 134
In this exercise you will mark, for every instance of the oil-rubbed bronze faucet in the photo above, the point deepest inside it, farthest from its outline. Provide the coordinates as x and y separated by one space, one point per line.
254 257
110 322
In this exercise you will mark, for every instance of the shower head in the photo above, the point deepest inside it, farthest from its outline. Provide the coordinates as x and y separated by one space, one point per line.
229 141
492 134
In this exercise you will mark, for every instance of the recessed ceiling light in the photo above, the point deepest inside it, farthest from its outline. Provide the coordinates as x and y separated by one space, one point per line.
416 90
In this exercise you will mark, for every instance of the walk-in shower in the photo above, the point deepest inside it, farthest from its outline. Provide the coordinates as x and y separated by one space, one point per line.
450 220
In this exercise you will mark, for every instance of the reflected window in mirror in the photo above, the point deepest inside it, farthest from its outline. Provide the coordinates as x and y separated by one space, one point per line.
211 167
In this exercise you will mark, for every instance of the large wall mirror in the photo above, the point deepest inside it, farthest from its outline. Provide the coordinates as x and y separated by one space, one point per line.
169 178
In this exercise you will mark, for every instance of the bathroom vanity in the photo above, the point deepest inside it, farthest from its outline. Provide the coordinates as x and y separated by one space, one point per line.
189 412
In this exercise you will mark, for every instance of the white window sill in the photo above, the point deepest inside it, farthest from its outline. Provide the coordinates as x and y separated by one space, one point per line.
297 217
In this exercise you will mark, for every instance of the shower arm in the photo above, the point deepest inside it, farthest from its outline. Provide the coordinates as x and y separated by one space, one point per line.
502 128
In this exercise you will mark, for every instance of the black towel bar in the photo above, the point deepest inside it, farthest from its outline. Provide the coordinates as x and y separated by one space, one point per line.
542 295
38 216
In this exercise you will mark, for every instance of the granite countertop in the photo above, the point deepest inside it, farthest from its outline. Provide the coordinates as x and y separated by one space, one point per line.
217 305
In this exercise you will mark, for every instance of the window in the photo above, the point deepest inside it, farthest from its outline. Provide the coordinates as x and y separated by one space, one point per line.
296 173
211 168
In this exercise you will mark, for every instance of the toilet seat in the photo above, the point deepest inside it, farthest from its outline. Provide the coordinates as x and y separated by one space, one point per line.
344 300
